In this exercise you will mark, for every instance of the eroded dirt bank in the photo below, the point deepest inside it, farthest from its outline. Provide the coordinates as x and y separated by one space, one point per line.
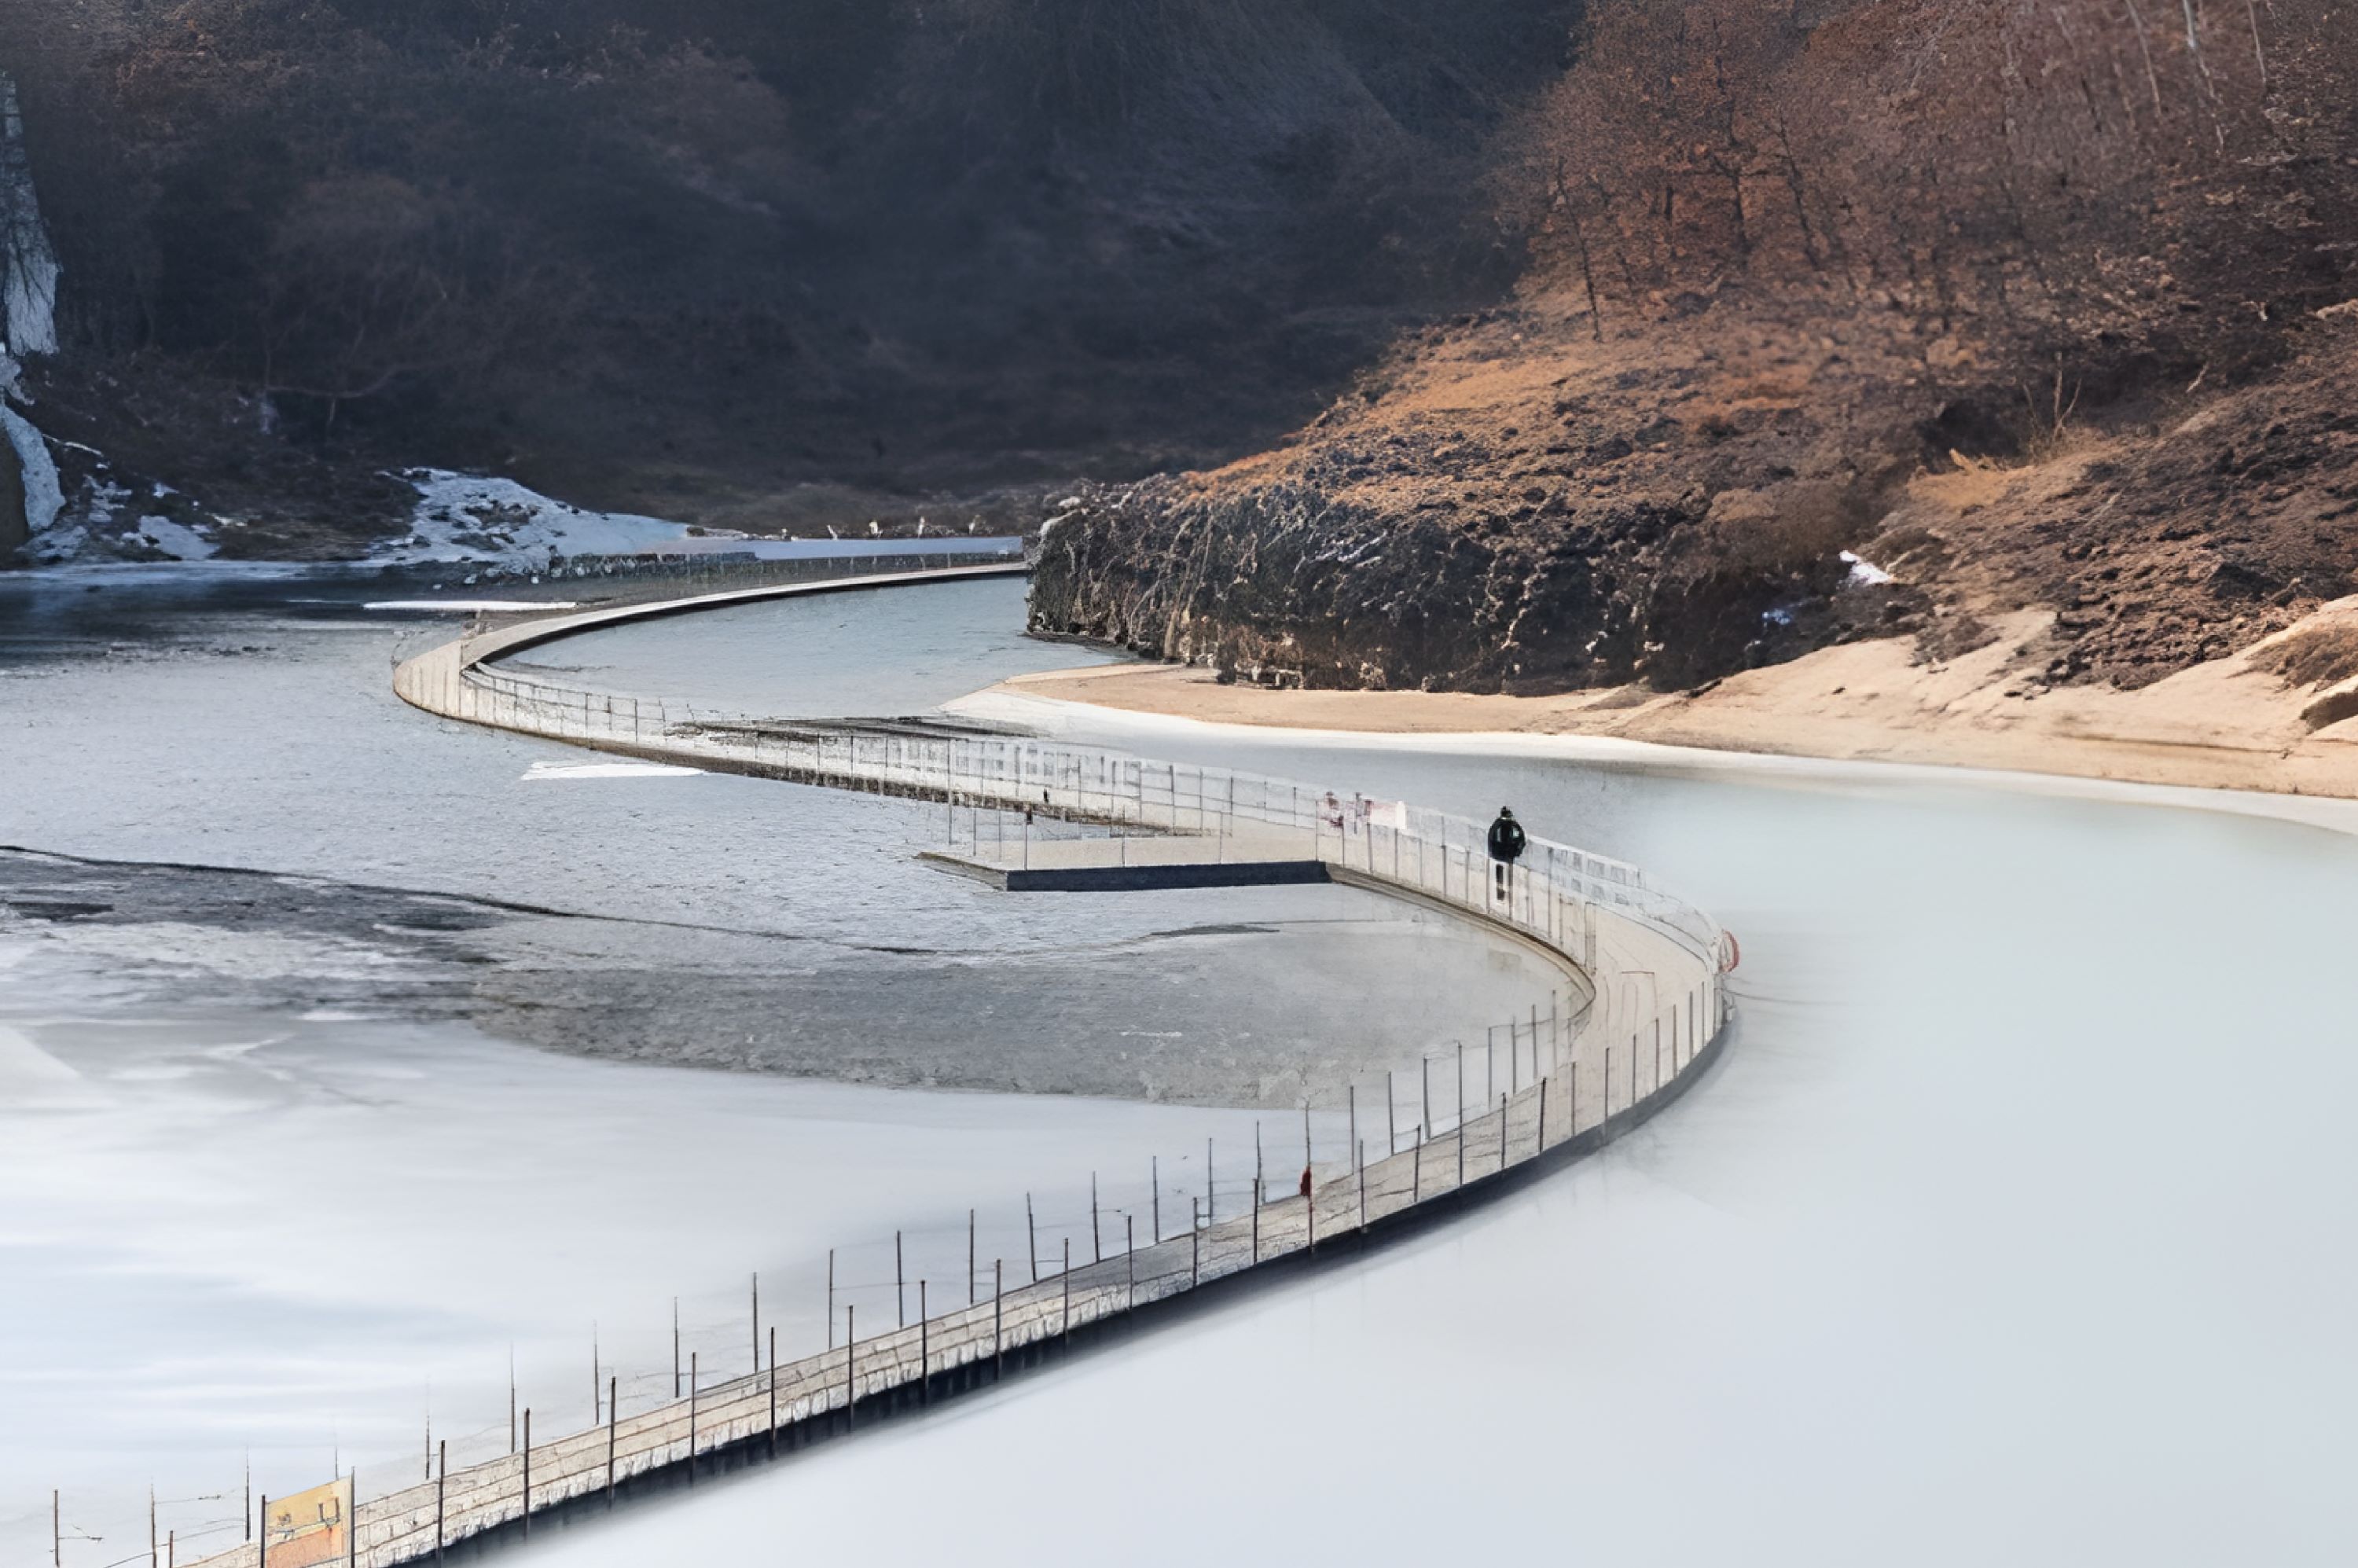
2261 719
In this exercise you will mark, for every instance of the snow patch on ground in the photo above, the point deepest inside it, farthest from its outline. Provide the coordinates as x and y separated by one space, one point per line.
45 497
179 540
1863 573
466 517
81 516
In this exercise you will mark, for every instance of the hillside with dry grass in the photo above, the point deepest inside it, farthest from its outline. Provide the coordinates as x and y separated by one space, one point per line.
1842 323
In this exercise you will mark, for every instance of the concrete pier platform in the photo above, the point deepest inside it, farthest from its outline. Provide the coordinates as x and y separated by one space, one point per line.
1262 857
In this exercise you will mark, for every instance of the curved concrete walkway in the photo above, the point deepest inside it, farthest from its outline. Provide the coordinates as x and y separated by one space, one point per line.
1596 1070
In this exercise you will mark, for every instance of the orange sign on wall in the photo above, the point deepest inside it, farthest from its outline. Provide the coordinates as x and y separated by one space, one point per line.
309 1527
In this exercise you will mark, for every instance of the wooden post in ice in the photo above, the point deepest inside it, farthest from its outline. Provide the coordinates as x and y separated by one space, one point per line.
442 1482
1154 1184
614 1431
1097 1245
1032 1237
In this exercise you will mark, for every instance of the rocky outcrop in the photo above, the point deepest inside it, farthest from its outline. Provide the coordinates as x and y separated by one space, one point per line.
14 528
30 493
29 264
1502 511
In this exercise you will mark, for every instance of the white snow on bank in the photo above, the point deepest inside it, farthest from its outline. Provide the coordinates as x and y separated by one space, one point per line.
1863 573
177 540
466 517
86 532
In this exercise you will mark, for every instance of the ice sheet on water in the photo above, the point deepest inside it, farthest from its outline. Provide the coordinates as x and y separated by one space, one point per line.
469 606
26 1067
541 771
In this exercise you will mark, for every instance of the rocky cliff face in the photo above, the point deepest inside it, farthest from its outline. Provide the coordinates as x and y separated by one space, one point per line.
1865 320
28 291
29 264
1497 512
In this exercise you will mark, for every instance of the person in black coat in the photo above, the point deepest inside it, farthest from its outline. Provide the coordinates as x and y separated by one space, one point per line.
1506 849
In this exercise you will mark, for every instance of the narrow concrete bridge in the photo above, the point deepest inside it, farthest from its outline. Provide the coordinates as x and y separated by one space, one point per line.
1575 1083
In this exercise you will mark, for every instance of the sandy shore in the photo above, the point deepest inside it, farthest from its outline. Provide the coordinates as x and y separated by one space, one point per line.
2236 723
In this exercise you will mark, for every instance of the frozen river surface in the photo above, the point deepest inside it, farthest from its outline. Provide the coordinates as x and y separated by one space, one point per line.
278 1175
2014 1226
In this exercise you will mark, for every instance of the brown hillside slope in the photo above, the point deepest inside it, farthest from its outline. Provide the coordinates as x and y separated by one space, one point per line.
2032 308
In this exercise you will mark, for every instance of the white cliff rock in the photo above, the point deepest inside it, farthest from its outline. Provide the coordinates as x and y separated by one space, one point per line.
29 265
